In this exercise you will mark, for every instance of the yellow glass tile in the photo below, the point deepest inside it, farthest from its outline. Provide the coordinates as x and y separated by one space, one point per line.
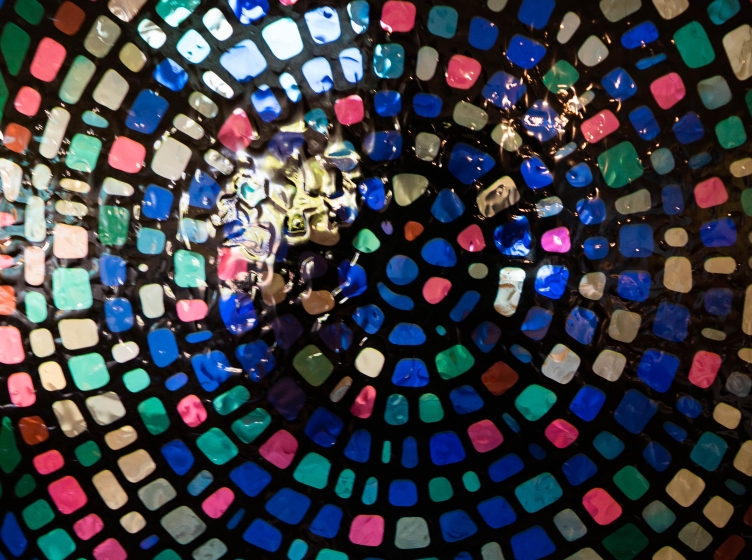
743 459
727 416
132 57
668 553
718 511
685 488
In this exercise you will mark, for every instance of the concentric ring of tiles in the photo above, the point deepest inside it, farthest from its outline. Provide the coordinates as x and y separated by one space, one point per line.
389 280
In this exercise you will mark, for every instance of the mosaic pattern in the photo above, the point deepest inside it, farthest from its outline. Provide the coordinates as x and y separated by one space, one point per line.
375 280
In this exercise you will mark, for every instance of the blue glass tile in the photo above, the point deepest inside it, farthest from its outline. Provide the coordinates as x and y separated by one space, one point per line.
464 306
644 122
256 358
551 280
532 544
689 129
457 525
635 411
536 13
248 11
387 103
513 238
384 145
465 399
596 248
171 75
327 521
581 324
542 121
323 427
671 322
351 61
535 173
288 506
718 233
718 301
482 34
524 52
403 493
263 535
446 449
163 347
504 90
504 468
250 478
407 334
439 252
634 285
447 206
619 84
427 105
497 512
580 175
358 448
536 323
657 369
266 104
672 199
469 164
118 314
178 456
689 406
587 403
578 469
146 112
591 211
657 456
112 270
640 35
369 318
636 240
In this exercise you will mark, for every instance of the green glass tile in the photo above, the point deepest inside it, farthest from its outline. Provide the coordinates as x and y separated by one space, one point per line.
14 44
534 402
37 514
561 77
345 483
312 365
25 486
252 425
175 12
626 543
79 74
189 269
30 10
386 452
4 94
83 153
430 409
693 45
471 481
658 516
298 550
154 415
231 400
113 225
56 545
217 447
136 380
36 307
370 491
329 554
440 489
454 361
313 471
71 289
630 481
168 554
10 456
366 241
620 165
88 453
89 371
731 133
747 201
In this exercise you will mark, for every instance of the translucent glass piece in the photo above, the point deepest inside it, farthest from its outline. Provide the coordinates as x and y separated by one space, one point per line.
217 24
193 47
318 74
283 38
351 61
323 25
